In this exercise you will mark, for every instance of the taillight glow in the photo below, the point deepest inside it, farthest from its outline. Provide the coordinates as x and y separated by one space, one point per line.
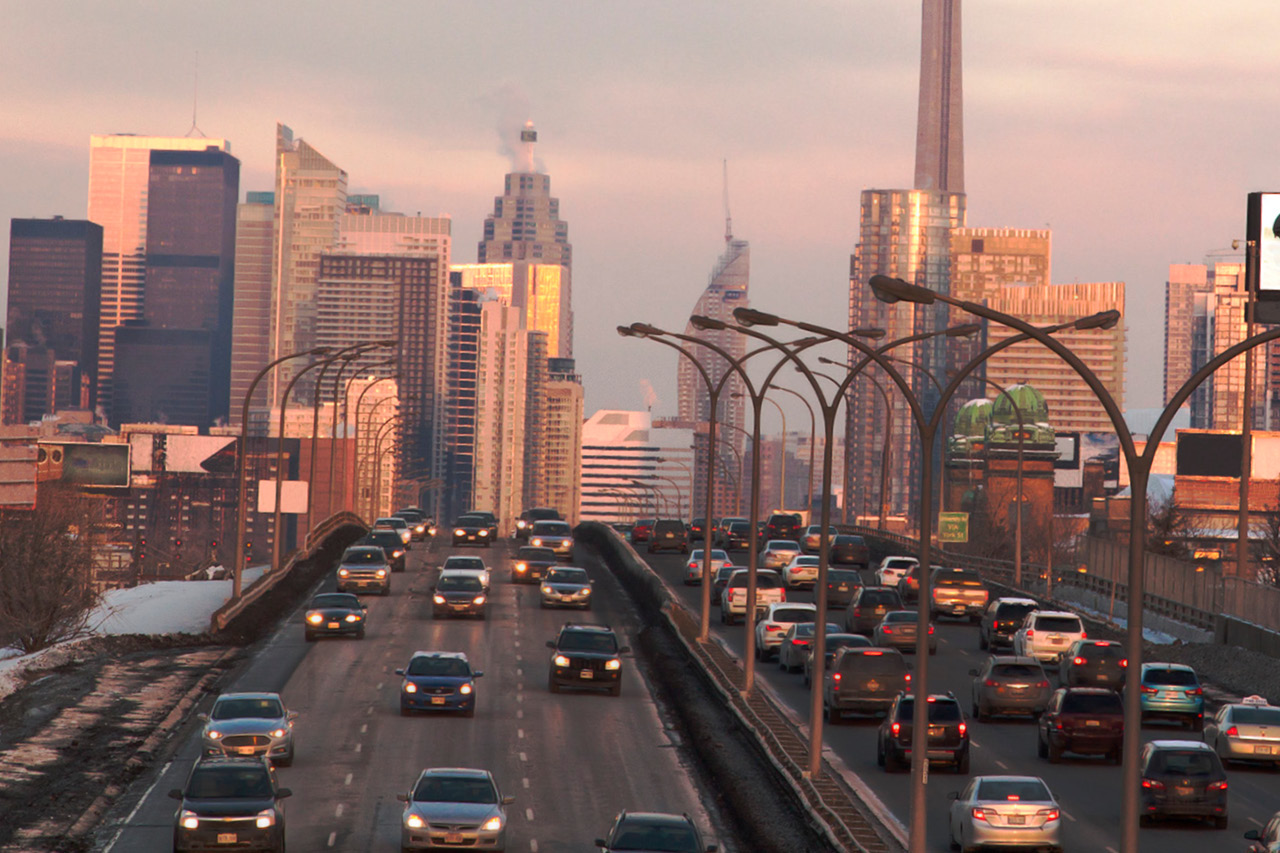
1030 633
1153 784
964 727
1218 786
1079 661
1233 732
1048 814
896 728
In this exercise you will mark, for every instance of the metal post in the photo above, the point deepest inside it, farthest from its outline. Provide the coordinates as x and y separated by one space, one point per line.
813 441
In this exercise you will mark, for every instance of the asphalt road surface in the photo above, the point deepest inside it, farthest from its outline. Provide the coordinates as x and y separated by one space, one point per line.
1088 789
571 760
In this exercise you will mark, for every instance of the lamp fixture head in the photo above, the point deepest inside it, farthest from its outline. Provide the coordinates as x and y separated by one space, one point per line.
889 289
1101 320
967 330
753 317
705 323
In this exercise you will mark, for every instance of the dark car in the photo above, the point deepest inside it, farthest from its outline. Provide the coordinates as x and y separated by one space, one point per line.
417 520
1009 685
947 740
642 530
231 803
472 530
458 594
653 833
586 656
783 525
864 681
489 518
529 516
668 535
1182 778
722 579
850 550
835 642
532 564
1001 620
438 681
868 606
1083 720
335 614
698 529
720 535
1094 663
909 585
737 537
842 586
390 543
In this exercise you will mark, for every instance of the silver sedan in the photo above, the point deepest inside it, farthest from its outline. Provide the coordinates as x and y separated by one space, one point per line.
566 587
454 806
249 724
1248 730
778 552
1005 811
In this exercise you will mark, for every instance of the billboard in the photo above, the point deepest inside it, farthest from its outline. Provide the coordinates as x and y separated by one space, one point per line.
293 496
1262 256
183 453
82 464
1079 450
1210 454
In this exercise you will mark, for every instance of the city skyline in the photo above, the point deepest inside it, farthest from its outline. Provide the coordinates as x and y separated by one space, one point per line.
1068 114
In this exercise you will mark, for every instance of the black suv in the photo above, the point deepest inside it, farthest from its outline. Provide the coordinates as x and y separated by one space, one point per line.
1001 620
232 802
638 831
390 543
948 733
669 534
868 606
783 525
864 681
586 655
1094 663
539 513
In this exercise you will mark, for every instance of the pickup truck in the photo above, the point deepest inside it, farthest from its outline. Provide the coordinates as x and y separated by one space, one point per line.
957 592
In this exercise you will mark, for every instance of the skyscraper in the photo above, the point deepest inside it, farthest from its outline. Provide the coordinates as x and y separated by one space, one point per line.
119 178
251 339
940 122
55 292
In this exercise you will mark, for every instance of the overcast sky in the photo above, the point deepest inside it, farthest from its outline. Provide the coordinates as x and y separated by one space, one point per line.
1132 130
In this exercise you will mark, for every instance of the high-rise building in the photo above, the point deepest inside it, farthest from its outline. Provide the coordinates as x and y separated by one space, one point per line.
189 281
251 325
940 121
119 180
562 439
726 290
55 292
28 383
634 467
459 392
162 375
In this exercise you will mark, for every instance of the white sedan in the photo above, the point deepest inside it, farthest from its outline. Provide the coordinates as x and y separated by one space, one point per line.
778 552
693 567
801 571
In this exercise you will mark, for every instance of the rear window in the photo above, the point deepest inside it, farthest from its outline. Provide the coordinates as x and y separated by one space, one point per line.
1058 624
877 597
885 663
939 712
1096 652
792 614
1014 789
1255 716
843 576
948 578
1177 677
1092 703
1014 611
1190 762
665 527
1016 670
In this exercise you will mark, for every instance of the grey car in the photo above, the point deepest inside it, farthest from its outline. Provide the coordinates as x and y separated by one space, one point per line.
556 535
1009 685
797 644
249 724
1005 811
566 587
898 629
451 807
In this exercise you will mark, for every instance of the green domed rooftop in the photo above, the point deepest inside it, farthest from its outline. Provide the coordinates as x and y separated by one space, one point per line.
972 419
1030 401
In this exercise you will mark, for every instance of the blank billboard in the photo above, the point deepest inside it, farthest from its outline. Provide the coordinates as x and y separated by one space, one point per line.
1205 454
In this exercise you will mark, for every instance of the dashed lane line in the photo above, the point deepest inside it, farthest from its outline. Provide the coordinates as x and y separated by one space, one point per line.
347 781
333 838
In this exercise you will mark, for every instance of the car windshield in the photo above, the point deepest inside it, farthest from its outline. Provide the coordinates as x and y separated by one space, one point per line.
364 555
424 665
1013 789
472 521
1179 762
1016 670
1058 624
459 583
835 643
472 563
1098 650
659 839
1176 677
1092 703
209 782
843 576
567 576
391 522
453 789
551 528
1252 716
900 563
385 537
792 614
241 708
587 641
530 553
336 599
879 597
807 561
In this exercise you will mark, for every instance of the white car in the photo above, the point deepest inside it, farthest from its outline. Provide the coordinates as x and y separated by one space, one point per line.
891 569
777 618
458 562
1004 811
801 571
693 567
1047 634
733 600
778 552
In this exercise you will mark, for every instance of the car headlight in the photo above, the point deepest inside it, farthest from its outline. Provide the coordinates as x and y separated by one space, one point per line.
484 532
279 732
521 567
546 590
479 599
561 660
382 573
465 689
522 524
536 542
315 618
413 821
419 528
613 664
459 532
353 617
432 531
438 599
188 820
213 734
265 818
410 687
493 824
585 591
395 554
342 573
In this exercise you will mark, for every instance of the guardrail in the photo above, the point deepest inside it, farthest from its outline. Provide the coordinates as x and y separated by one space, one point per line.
315 539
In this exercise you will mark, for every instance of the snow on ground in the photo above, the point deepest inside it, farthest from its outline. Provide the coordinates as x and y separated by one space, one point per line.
164 607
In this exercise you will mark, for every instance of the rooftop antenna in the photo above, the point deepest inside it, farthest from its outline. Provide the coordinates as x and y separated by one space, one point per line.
728 220
195 98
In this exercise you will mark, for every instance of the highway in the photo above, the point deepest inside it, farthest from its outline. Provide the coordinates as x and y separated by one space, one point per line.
571 760
1087 789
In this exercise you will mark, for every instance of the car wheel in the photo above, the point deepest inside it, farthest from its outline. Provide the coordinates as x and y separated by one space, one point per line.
833 716
615 690
284 760
386 591
808 682
952 843
1197 724
982 640
879 753
1054 753
552 686
310 637
933 650
1220 822
1145 820
962 766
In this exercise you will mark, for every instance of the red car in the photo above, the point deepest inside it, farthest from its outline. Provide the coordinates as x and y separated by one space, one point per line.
642 531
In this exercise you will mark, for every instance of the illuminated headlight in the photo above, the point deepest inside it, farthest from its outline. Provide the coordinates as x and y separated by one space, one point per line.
584 591
521 567
265 818
546 590
410 687
613 664
213 734
188 820
432 531
414 822
536 542
382 573
438 599
353 617
465 689
279 733
484 532
315 618
459 532
493 824
479 599
342 573
419 528
561 660
397 554
522 524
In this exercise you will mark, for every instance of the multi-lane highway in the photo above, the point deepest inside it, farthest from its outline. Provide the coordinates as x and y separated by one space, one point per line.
572 760
1087 789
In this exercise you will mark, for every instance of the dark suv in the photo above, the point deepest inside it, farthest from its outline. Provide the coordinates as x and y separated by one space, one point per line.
863 680
390 543
868 607
1001 620
1182 778
668 534
1094 663
783 525
231 802
948 733
640 831
1084 720
525 522
586 656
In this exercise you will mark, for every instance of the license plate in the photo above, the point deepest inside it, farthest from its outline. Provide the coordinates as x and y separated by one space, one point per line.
334 625
226 838
437 700
1017 820
244 750
453 838
1262 750
1093 722
1057 641
1183 792
586 673
844 587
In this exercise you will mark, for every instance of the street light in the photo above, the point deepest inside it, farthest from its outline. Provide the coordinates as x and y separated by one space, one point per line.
885 451
813 443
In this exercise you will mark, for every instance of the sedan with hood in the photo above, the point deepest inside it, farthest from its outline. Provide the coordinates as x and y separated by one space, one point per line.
532 564
335 614
556 535
566 587
251 724
364 567
454 807
438 681
458 594
231 803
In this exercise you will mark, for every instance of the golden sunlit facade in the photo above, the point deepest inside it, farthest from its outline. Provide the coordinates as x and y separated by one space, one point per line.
538 289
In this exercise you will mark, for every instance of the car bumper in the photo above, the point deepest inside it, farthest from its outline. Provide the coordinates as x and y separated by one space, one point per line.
1047 654
861 705
277 748
428 702
585 677
1171 709
557 600
470 539
959 608
358 585
439 839
340 629
1198 806
221 838
1004 703
802 578
983 834
468 609
1248 751
1083 744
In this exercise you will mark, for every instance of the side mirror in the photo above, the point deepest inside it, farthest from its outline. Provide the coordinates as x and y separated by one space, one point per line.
506 801
283 792
404 798
477 674
600 842
625 650
399 672
973 672
204 718
1253 835
293 715
551 644
175 794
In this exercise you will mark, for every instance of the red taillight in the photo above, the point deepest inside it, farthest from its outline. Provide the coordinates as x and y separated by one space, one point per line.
1079 661
964 727
857 611
1084 635
1048 814
1153 784
991 682
836 677
980 814
1233 732
1030 633
886 630
1146 688
1218 786
773 628
896 728
930 629
784 596
796 641
907 677
1042 684
1195 691
1124 663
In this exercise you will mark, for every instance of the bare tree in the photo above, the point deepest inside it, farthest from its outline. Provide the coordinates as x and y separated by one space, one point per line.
1167 531
46 571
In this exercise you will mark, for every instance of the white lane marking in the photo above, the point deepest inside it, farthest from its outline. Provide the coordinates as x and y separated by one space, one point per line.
520 733
1112 850
519 658
524 757
338 811
1254 820
519 697
516 643
533 845
520 713
520 670
368 712
379 687
972 742
358 746
528 813
333 837
525 782
347 781
364 728
1003 766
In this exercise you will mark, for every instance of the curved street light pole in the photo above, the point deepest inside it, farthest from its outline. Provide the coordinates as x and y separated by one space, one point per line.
386 428
813 445
355 473
782 457
885 451
242 461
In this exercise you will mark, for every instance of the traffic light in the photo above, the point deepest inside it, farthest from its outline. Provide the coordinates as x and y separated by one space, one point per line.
141 550
177 543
